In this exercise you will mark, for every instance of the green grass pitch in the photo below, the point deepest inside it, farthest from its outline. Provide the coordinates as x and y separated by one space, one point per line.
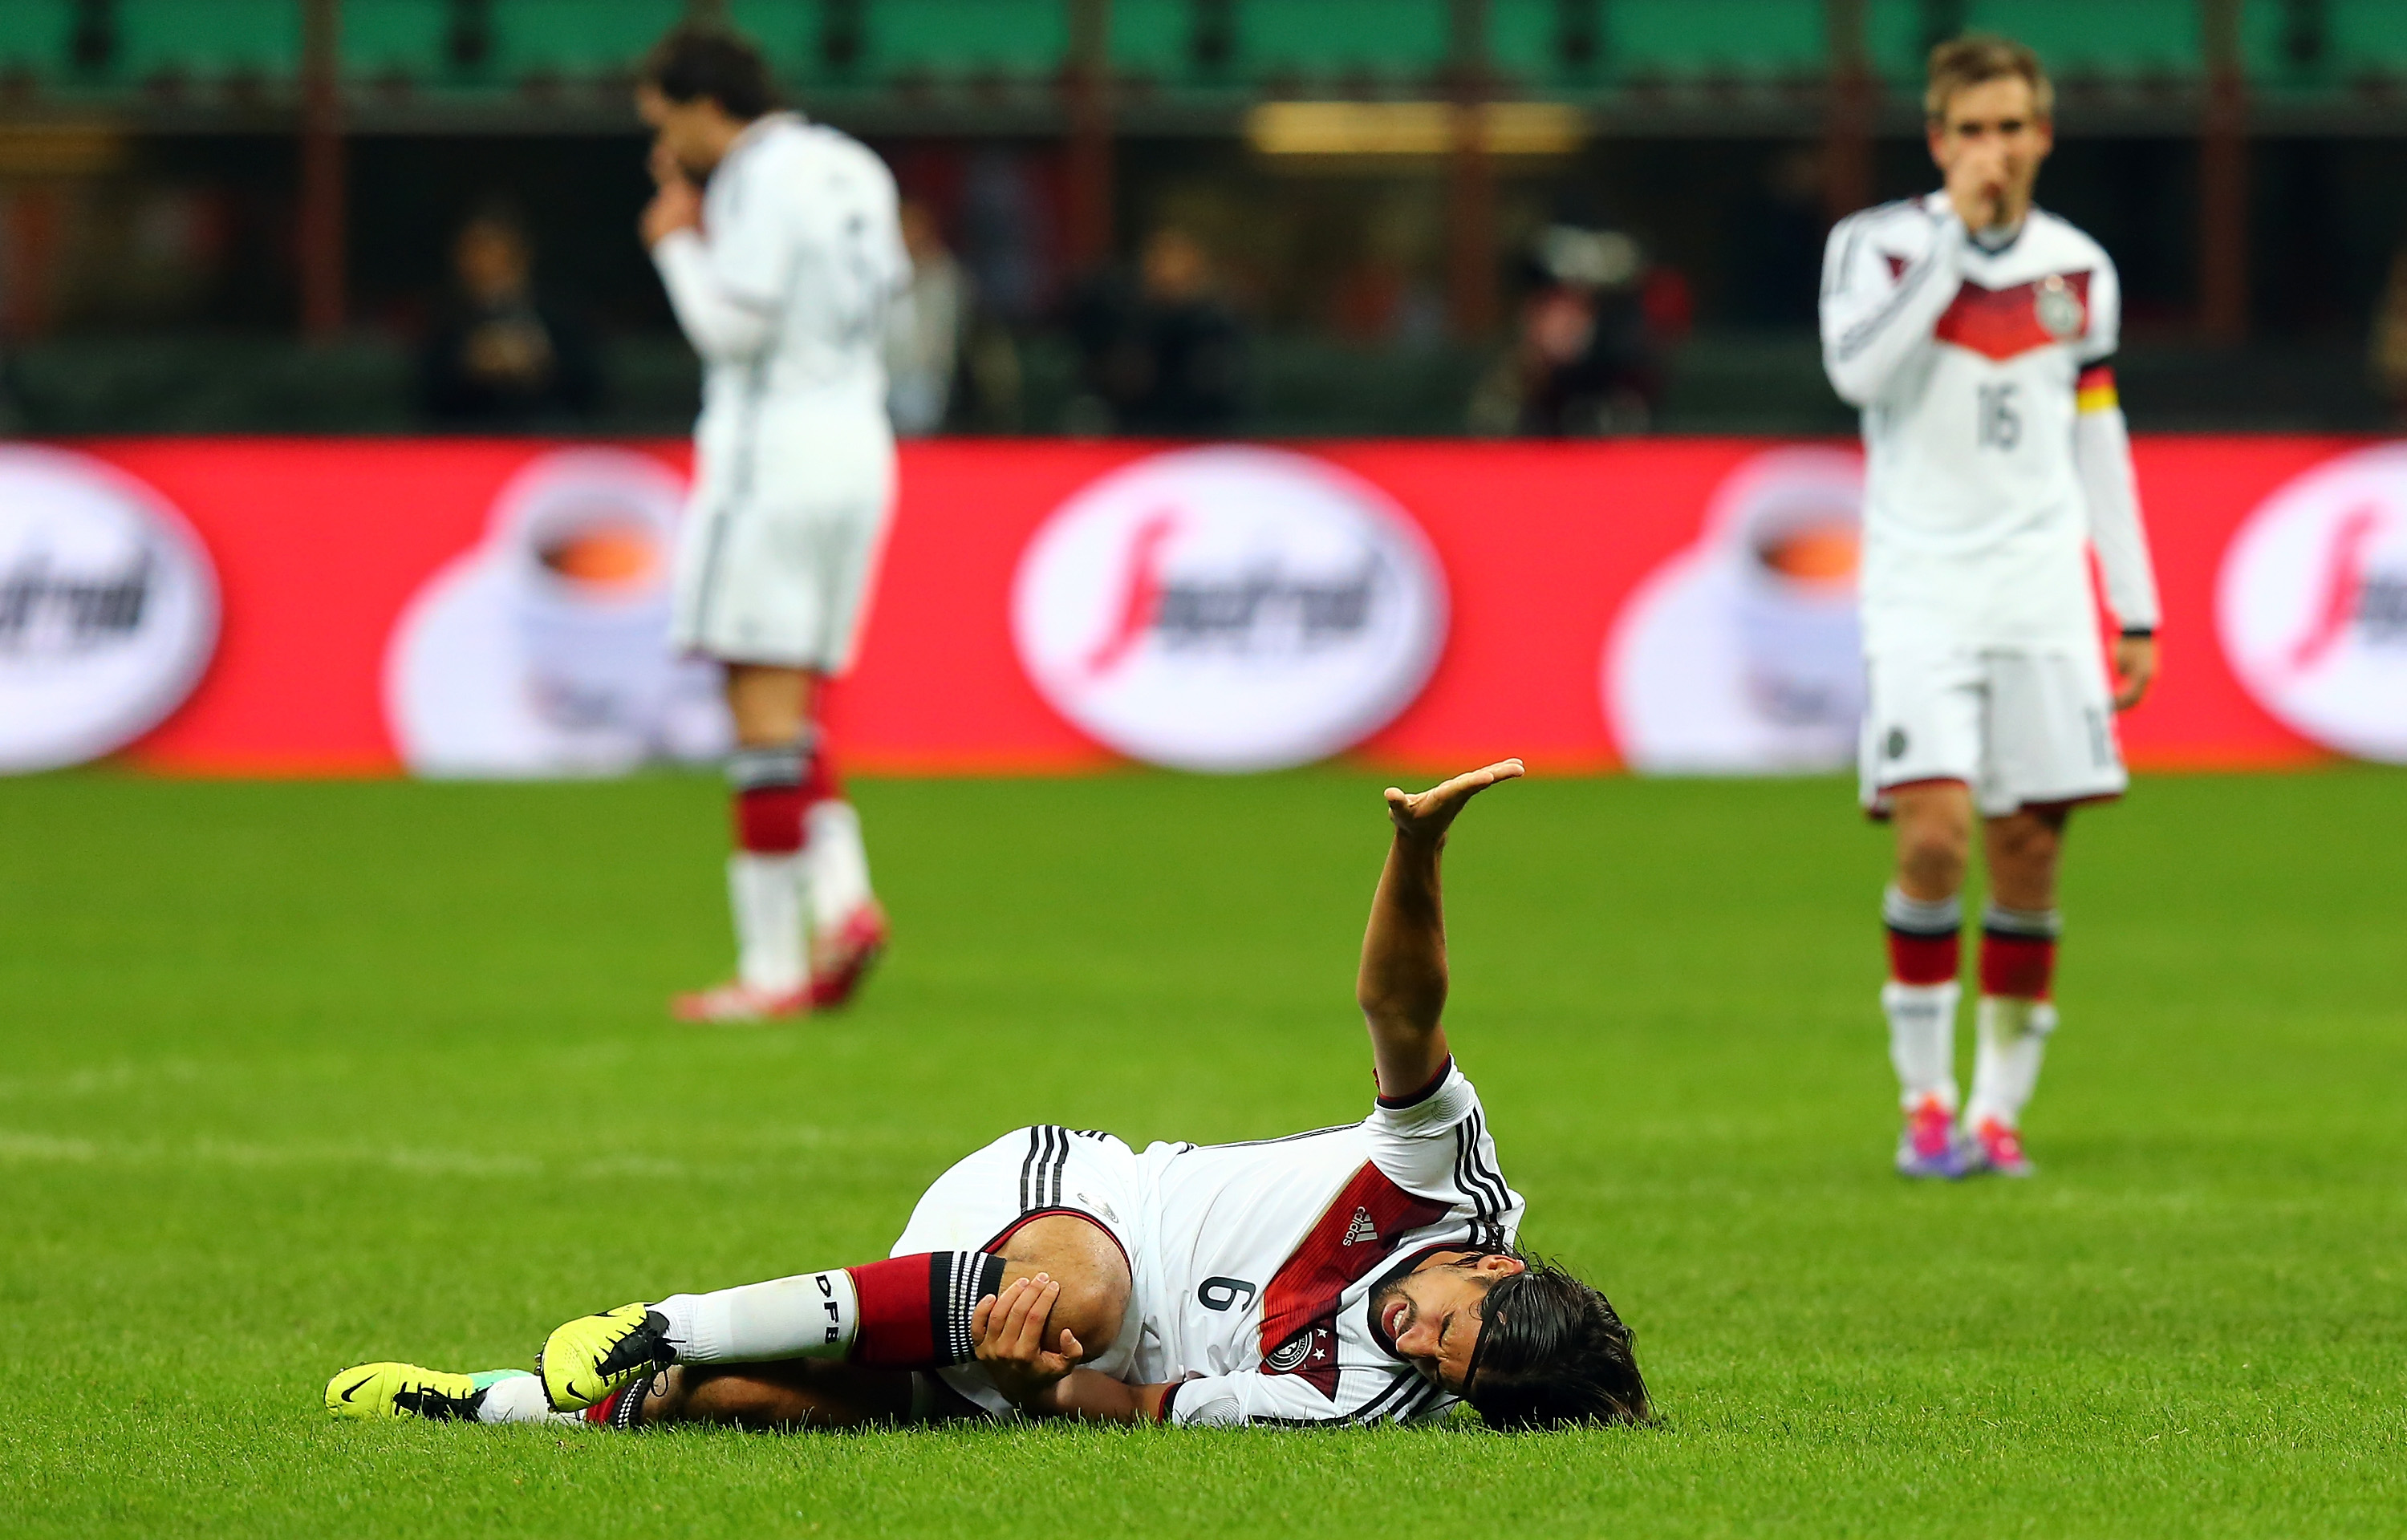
298 1075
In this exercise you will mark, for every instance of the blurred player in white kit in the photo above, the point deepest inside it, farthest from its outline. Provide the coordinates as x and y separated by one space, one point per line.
778 243
1973 329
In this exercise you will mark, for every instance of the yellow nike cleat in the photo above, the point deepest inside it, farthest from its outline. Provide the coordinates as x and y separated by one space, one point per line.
405 1390
584 1361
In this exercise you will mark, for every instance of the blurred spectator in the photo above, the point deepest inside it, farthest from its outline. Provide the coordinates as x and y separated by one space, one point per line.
1164 354
923 342
2390 338
500 358
1593 328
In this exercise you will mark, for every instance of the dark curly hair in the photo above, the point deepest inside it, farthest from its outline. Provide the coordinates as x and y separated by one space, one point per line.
1551 1353
695 61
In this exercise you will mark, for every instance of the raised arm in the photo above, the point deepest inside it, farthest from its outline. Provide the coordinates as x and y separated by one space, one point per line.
721 320
1873 324
1402 984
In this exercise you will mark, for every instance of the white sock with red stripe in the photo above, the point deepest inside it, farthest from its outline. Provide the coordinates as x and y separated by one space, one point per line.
766 872
2016 1015
906 1312
809 1315
1921 996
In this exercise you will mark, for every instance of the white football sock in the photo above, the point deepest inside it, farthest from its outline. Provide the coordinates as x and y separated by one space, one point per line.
835 862
810 1315
519 1398
766 894
1922 1040
2013 1038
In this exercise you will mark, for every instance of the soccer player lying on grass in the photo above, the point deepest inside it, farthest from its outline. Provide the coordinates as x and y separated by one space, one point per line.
1356 1274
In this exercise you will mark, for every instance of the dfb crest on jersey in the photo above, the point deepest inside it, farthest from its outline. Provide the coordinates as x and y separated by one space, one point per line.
1310 1355
2060 311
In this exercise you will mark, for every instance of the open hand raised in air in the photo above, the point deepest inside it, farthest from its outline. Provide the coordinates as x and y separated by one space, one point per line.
1425 815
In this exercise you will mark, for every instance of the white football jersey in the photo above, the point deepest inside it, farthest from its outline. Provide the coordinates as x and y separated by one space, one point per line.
1264 1256
800 227
1969 358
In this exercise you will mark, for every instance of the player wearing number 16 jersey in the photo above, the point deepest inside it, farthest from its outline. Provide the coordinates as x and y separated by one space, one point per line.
1358 1274
1973 330
778 242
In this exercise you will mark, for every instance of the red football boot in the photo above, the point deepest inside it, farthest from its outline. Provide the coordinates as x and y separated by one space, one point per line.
842 960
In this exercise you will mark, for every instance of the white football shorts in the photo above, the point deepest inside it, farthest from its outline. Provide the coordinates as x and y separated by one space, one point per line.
2021 728
781 540
1026 1174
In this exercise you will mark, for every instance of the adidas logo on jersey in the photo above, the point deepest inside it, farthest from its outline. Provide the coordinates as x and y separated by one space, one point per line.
1361 1230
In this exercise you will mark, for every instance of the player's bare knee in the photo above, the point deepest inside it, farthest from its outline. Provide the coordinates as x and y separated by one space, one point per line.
1078 1253
1934 838
1092 1309
1931 861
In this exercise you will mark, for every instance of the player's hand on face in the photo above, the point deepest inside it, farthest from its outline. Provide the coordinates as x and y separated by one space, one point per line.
2135 668
1976 185
1427 814
1009 1331
675 207
665 165
678 203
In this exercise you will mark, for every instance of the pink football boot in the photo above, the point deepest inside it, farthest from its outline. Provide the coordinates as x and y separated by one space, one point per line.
1927 1146
1997 1148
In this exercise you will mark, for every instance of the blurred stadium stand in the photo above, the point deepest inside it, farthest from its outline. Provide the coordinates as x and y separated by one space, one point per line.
162 240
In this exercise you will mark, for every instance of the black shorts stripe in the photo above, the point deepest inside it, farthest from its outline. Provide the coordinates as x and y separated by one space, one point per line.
1040 1173
1028 1166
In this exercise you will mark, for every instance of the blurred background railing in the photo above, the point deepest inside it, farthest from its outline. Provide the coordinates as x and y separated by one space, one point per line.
1274 217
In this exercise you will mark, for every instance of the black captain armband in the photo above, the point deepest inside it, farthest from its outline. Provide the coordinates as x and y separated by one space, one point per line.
2138 633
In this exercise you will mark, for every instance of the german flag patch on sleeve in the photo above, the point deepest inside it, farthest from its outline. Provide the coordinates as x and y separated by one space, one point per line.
2094 391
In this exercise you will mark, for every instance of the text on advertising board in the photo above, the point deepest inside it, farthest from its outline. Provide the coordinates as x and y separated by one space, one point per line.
1228 609
108 608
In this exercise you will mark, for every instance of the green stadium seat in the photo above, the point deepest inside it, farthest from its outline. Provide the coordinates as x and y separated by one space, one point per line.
1570 48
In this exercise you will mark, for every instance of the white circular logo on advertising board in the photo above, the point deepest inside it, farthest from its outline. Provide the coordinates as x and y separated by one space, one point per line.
2312 603
1228 609
108 608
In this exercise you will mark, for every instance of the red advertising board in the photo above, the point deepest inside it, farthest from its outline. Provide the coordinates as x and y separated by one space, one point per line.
324 550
